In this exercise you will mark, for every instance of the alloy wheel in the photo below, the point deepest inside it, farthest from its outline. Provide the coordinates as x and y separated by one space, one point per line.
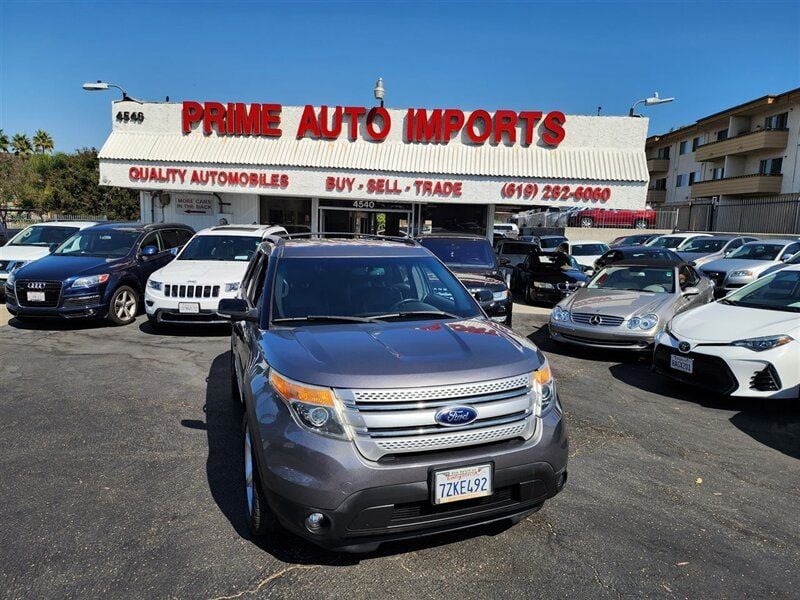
125 306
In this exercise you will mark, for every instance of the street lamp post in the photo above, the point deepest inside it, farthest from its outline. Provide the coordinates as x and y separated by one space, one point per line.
653 100
379 91
100 86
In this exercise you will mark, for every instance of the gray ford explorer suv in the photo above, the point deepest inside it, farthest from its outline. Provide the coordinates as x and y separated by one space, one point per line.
380 401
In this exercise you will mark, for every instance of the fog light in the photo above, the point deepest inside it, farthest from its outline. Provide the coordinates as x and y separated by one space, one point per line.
315 521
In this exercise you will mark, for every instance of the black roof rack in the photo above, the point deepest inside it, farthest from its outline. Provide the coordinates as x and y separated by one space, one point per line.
345 234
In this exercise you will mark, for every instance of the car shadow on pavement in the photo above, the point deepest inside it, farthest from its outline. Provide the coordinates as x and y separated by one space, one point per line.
541 337
774 423
189 330
57 324
224 469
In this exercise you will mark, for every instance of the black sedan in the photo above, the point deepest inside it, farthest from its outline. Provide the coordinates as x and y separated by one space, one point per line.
619 253
542 281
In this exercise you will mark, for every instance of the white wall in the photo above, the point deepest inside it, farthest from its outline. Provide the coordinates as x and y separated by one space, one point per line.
244 209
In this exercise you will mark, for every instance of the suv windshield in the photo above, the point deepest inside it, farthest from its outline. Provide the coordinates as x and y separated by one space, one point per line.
757 252
368 287
704 245
41 235
458 252
778 291
108 243
220 247
639 279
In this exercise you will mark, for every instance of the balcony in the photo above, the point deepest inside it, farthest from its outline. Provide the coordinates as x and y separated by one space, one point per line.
658 165
762 139
746 185
655 196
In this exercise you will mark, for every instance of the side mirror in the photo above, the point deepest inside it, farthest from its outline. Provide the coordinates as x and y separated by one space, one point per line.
786 257
174 251
484 296
52 247
149 251
504 262
237 309
690 291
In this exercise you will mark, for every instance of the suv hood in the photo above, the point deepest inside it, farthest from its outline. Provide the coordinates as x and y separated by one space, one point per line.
718 322
201 271
23 252
58 268
620 303
404 354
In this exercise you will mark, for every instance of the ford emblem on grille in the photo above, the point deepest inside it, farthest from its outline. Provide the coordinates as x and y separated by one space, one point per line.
595 319
451 416
684 347
36 285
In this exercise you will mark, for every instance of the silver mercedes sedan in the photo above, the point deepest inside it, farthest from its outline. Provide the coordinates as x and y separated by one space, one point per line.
627 304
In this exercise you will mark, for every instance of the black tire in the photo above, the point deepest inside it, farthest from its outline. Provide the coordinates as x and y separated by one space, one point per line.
586 222
640 224
124 306
260 517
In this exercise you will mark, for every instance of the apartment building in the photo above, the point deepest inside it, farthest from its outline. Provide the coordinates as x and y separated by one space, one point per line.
746 151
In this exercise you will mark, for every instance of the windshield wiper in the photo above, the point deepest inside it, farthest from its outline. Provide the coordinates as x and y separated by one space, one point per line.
418 313
310 318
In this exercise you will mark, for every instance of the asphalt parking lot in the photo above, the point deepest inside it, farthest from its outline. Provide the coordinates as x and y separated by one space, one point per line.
120 456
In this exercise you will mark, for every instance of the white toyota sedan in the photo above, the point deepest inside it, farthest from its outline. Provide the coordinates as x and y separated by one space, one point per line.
208 268
746 344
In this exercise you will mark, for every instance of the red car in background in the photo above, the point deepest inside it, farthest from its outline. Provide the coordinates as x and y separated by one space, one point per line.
604 217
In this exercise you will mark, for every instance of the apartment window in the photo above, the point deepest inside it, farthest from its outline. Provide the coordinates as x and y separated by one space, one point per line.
718 173
722 134
695 143
660 184
684 147
663 152
694 177
770 166
777 121
680 180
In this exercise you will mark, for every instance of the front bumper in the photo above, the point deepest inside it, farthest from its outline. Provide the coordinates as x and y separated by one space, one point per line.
733 370
552 295
86 303
612 338
367 502
167 310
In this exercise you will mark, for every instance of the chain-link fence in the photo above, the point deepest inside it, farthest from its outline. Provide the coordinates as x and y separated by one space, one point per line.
776 214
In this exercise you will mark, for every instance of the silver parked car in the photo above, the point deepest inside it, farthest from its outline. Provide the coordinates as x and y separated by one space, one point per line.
627 304
702 250
748 262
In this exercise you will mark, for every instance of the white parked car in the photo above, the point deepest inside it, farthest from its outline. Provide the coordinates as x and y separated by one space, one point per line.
588 251
747 344
675 241
208 268
509 230
33 242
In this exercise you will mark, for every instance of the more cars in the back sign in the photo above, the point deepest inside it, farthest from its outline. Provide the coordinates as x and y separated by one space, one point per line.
745 264
702 250
540 280
100 271
743 345
620 253
208 268
627 304
675 241
473 261
34 242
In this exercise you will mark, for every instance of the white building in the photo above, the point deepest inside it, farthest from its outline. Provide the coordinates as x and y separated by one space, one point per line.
367 170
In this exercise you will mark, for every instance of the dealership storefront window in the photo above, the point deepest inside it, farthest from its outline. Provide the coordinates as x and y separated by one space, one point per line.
368 170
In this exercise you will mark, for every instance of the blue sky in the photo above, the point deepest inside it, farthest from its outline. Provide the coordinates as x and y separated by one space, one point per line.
572 56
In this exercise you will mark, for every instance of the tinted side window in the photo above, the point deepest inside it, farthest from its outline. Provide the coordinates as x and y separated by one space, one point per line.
256 284
171 238
184 235
791 250
735 243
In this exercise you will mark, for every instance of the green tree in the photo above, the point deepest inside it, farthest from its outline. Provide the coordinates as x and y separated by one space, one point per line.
42 141
4 141
21 144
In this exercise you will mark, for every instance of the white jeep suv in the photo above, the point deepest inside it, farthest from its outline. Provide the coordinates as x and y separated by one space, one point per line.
208 268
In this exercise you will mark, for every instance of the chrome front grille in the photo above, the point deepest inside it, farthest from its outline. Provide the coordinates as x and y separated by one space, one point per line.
51 289
605 320
393 421
174 290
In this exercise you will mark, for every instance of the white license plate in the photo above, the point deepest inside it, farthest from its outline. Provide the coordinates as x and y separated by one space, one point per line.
462 484
681 363
188 308
35 296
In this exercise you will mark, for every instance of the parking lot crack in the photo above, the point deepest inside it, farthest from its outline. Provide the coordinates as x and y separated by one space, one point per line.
267 581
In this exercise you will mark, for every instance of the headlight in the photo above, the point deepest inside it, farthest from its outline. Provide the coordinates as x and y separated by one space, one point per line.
92 280
741 274
232 287
314 408
559 314
543 285
19 264
760 344
11 278
544 389
646 322
154 285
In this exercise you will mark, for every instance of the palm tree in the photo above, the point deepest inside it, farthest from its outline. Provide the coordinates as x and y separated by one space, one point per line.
21 144
4 141
42 142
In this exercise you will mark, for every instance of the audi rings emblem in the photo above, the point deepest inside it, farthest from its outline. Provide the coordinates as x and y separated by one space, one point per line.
36 285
